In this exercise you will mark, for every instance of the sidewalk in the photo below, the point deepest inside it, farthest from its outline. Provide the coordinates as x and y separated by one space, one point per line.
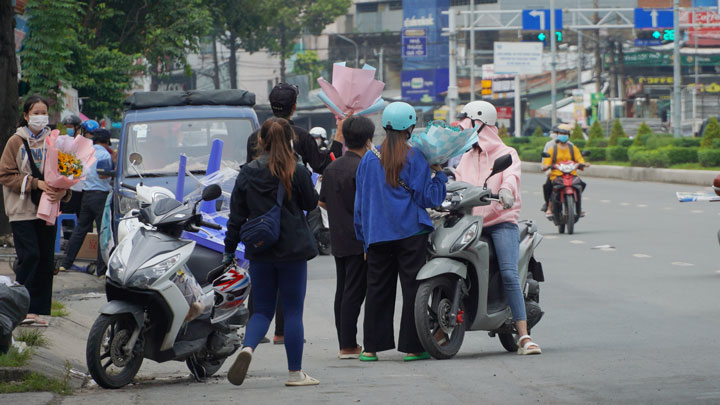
676 176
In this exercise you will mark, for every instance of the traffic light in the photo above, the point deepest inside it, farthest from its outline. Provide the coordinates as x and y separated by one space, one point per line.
542 36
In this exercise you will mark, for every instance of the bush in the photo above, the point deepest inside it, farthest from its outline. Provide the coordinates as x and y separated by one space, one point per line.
709 157
596 131
520 140
580 143
657 141
503 132
626 142
617 154
686 142
712 131
539 142
643 129
538 132
531 154
679 155
616 133
577 134
650 158
641 139
596 154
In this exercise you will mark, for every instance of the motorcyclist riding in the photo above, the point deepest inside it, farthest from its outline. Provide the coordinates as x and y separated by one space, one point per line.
562 151
561 129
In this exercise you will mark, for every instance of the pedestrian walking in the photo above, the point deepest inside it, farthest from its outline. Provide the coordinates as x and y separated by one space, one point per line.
337 196
394 188
21 174
275 178
95 191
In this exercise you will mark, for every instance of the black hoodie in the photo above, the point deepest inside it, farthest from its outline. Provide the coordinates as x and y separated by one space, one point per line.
255 193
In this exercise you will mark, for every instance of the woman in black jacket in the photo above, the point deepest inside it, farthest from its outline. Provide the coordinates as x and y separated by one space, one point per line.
282 268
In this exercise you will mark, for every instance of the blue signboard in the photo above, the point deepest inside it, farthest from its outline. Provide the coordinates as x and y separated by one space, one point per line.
653 18
539 19
414 42
424 85
648 42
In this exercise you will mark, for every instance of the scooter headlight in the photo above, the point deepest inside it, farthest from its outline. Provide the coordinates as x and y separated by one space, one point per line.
467 237
126 204
115 267
148 275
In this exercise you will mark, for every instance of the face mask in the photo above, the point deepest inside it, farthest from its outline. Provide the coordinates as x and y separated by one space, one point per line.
70 132
562 138
37 122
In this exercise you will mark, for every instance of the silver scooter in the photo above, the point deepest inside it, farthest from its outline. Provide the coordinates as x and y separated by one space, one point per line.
460 286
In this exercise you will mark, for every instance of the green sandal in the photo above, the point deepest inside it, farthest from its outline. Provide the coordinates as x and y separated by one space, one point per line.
363 357
423 356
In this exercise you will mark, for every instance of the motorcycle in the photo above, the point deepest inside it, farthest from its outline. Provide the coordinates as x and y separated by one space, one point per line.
566 194
165 301
460 286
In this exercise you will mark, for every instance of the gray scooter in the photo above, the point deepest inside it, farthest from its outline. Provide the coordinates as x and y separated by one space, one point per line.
460 286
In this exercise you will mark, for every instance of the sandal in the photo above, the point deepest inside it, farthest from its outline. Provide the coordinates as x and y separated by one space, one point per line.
364 357
306 380
421 356
347 356
528 348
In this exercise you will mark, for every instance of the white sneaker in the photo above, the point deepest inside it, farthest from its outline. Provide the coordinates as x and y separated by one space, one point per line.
238 371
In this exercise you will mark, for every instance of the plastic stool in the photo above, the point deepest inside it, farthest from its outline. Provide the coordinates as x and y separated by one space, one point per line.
60 219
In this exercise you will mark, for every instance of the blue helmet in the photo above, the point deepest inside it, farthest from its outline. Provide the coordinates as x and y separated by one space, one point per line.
90 125
398 116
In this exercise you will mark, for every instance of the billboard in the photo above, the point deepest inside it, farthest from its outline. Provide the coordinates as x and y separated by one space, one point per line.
518 57
426 85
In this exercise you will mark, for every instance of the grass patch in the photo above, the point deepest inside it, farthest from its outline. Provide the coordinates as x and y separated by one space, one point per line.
36 382
605 163
13 358
58 309
32 337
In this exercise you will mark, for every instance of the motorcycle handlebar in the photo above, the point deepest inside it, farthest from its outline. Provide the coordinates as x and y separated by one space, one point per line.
128 186
210 225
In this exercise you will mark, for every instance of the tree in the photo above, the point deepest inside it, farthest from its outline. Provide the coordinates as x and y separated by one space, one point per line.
9 84
308 63
596 133
712 131
577 133
538 132
290 19
643 132
616 133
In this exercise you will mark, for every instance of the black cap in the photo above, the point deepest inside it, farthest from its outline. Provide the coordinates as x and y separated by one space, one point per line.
282 99
101 135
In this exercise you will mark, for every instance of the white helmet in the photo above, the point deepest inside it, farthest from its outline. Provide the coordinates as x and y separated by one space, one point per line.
318 132
480 111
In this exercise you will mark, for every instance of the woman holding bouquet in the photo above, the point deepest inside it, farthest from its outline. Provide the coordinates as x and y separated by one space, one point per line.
393 188
34 239
500 219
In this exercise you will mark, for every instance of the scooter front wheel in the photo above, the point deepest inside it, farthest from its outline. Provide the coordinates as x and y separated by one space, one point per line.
107 361
433 307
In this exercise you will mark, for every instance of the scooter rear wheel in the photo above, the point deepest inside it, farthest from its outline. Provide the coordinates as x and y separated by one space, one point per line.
107 362
433 304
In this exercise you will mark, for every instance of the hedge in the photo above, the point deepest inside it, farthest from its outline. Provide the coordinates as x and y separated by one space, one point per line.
596 154
616 154
625 142
657 141
650 158
686 142
531 154
580 143
679 155
709 157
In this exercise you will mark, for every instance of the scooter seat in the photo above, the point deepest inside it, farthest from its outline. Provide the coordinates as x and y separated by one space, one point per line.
203 261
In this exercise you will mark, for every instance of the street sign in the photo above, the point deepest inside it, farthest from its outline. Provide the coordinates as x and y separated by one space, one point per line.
648 42
653 18
539 20
518 57
414 42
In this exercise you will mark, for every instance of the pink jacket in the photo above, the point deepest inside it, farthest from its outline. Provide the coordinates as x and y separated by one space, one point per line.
477 164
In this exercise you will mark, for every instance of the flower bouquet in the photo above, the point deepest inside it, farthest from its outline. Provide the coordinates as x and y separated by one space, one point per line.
65 162
441 142
352 91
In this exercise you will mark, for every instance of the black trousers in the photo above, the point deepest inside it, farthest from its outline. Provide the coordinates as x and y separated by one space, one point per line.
91 210
72 206
547 189
349 296
35 248
387 261
279 318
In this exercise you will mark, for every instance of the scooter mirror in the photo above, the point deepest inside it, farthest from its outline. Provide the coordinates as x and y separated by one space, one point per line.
211 192
500 164
136 158
545 155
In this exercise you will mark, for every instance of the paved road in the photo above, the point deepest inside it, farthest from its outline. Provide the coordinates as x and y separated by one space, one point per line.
634 323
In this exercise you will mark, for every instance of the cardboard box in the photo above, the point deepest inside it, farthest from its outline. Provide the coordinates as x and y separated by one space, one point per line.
89 248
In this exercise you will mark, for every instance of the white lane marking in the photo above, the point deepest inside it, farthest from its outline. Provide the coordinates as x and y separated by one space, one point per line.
625 204
717 271
550 236
587 198
682 264
536 193
642 205
641 255
577 242
605 201
697 211
603 247
525 192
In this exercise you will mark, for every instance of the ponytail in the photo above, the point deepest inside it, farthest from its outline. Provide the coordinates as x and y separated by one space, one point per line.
275 139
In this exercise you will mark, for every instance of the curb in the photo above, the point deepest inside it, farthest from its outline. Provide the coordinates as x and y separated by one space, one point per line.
675 176
13 373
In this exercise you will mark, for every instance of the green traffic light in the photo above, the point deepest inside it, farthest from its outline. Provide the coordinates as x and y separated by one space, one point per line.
541 36
559 35
656 35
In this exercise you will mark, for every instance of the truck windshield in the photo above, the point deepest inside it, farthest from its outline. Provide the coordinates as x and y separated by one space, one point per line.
161 143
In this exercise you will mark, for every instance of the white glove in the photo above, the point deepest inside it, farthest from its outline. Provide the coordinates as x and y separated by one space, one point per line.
506 198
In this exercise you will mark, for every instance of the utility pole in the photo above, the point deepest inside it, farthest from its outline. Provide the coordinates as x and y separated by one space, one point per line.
676 116
553 63
472 51
695 88
598 62
612 67
580 61
452 94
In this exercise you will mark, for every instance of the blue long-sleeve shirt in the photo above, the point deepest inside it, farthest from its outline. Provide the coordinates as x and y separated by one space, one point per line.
384 213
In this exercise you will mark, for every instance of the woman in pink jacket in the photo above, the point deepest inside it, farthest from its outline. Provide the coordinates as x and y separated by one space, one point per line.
500 219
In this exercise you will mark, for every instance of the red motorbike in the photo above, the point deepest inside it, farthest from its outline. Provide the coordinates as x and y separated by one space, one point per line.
566 194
